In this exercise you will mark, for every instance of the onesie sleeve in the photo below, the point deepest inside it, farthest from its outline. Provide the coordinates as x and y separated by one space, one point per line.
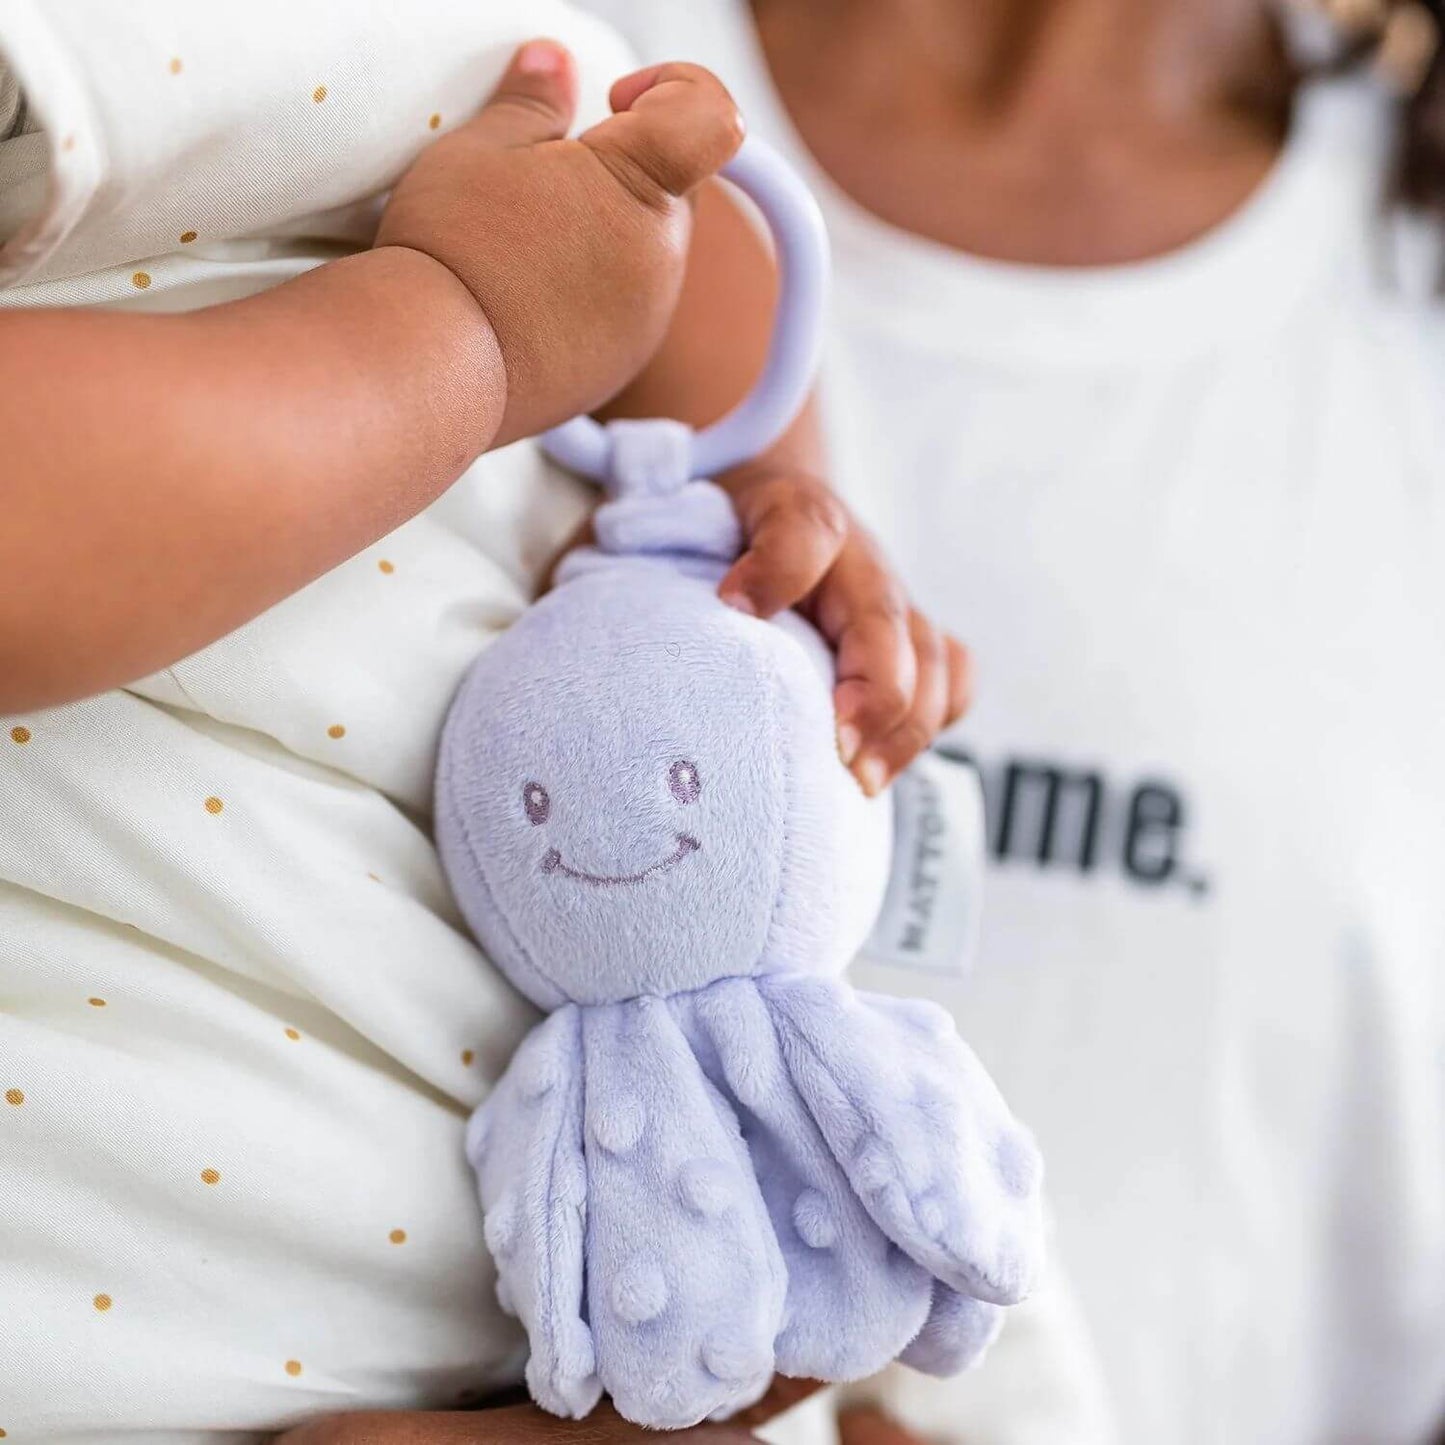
168 128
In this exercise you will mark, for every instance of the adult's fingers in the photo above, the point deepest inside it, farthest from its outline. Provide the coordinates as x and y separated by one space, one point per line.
675 126
534 101
515 1425
869 1425
796 529
783 1394
880 762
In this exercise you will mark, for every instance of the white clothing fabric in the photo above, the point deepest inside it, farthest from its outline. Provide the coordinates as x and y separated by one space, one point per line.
12 104
240 1021
1191 515
170 128
1040 1384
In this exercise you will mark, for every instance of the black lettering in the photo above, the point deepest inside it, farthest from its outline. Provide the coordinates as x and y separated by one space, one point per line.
1156 815
1023 782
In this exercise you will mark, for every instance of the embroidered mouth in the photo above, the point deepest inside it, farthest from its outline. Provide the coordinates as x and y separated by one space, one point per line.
552 863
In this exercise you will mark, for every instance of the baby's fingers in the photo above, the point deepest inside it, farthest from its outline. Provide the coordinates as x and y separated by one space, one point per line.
960 679
866 1424
880 762
534 100
796 529
783 1394
675 126
862 612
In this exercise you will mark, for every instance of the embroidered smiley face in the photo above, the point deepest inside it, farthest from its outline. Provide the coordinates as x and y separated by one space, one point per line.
683 783
615 805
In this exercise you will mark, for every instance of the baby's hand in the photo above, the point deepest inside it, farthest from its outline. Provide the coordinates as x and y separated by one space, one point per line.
900 680
573 249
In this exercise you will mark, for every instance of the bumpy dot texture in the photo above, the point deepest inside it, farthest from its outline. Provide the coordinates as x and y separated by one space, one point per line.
708 1186
638 1292
814 1220
884 1204
735 1357
690 1276
499 1227
525 1142
837 1257
618 1128
958 1331
921 1132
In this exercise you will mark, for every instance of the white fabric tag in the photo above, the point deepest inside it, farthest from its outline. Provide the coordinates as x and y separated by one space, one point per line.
930 915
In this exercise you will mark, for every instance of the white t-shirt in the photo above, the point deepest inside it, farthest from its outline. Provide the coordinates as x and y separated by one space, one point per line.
1191 516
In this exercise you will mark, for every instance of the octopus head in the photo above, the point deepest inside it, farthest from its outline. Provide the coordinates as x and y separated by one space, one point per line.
639 793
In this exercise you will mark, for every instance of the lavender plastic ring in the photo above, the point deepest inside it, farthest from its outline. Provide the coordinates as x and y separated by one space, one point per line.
582 444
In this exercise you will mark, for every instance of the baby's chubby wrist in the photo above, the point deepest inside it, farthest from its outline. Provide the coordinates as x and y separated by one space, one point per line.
572 250
459 320
410 300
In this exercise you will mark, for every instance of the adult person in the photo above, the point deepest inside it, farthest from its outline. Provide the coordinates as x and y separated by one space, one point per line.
1129 375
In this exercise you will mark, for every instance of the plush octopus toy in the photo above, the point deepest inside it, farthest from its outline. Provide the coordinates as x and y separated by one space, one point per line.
713 1160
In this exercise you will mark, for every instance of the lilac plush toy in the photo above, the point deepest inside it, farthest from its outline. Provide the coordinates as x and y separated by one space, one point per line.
713 1160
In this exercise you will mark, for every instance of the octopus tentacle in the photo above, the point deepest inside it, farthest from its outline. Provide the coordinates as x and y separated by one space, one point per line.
525 1143
919 1129
854 1301
686 1283
956 1335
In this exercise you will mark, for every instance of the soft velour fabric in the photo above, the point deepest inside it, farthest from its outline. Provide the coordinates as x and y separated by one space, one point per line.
714 1159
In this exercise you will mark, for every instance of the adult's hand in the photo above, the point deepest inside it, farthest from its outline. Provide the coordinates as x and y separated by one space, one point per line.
872 1425
527 1425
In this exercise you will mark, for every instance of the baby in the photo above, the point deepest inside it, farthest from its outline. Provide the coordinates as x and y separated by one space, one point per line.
247 557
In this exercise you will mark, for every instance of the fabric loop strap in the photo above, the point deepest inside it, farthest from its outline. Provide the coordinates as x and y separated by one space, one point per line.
650 458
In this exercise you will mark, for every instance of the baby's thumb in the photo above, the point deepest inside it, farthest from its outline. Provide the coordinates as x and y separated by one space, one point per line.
675 126
534 100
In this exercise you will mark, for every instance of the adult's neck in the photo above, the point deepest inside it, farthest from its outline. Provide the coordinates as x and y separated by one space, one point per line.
1053 131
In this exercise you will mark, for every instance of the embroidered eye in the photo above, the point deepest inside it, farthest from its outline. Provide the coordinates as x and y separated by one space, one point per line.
536 802
682 778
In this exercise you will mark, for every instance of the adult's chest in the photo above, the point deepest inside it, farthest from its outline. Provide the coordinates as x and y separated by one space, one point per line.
1203 604
1202 597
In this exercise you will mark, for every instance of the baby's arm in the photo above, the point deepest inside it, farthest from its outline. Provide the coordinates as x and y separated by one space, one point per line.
900 679
166 478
